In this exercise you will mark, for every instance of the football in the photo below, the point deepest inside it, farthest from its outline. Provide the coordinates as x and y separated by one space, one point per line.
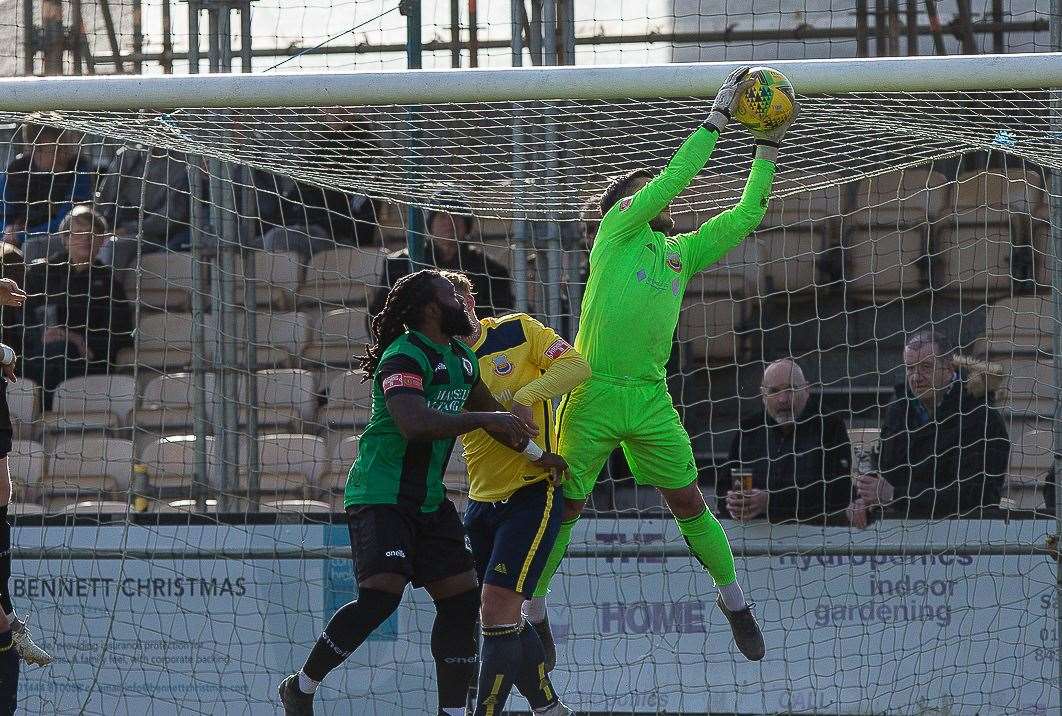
768 102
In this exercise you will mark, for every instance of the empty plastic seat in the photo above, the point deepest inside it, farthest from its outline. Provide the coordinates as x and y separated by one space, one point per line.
804 209
296 506
276 278
344 276
26 462
90 463
1031 385
96 507
349 401
281 338
165 280
163 341
22 405
338 337
972 259
92 402
907 198
883 263
167 403
171 460
708 330
334 480
996 196
290 463
788 262
286 397
1022 324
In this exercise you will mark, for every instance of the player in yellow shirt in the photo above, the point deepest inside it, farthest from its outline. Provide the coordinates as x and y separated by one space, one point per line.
514 508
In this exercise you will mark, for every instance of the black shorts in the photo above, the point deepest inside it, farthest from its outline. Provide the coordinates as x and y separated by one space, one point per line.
511 540
5 442
422 546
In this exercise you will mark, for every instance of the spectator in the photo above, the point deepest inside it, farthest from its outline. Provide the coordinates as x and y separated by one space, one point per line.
41 185
449 246
800 460
148 178
76 315
306 219
943 447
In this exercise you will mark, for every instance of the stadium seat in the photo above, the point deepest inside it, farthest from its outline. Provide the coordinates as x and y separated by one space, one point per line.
277 276
165 281
996 196
1022 324
788 262
349 401
882 264
906 198
92 402
334 481
291 464
972 260
1032 449
96 507
456 476
166 405
26 461
804 209
187 505
707 330
286 397
163 341
1030 385
296 506
22 405
337 337
170 461
345 276
280 338
24 508
89 464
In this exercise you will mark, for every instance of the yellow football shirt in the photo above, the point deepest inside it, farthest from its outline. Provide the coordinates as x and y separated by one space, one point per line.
513 351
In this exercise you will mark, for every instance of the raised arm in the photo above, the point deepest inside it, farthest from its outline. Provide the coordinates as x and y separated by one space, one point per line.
651 199
564 369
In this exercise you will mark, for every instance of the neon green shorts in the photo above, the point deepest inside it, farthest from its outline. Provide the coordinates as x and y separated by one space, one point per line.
601 415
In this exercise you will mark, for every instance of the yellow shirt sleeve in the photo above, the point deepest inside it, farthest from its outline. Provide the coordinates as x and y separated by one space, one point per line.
564 367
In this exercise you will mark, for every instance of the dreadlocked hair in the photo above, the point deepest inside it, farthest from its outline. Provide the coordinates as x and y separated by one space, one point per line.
404 303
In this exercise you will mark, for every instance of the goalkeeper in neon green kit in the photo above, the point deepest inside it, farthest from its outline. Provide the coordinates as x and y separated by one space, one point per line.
638 276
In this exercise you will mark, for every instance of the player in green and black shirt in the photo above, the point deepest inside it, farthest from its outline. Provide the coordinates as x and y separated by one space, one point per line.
426 391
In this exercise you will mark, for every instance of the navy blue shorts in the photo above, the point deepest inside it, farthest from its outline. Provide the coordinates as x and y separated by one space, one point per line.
510 540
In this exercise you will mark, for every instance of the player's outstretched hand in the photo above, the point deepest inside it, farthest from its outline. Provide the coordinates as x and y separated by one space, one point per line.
726 99
773 137
510 429
555 464
10 293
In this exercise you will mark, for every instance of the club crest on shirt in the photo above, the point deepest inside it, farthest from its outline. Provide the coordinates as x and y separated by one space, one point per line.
625 203
467 364
502 366
674 261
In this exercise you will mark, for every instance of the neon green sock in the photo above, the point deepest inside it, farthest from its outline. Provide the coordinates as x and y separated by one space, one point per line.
709 545
556 554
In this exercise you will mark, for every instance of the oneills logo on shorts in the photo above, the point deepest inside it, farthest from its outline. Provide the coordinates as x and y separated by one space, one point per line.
559 348
402 380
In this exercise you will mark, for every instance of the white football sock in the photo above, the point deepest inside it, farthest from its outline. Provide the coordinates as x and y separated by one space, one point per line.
459 711
733 598
306 684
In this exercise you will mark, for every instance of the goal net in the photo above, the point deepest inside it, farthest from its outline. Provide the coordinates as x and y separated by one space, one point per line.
179 461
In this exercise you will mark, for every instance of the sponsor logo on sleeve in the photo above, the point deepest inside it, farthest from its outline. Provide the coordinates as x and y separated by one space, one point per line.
559 348
402 380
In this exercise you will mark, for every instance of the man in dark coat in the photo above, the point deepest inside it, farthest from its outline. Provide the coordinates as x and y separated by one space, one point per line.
943 449
799 460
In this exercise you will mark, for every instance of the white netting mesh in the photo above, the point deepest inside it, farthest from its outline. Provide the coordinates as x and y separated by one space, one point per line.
893 213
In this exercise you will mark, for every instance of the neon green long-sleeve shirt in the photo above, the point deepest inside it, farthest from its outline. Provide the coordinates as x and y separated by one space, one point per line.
638 276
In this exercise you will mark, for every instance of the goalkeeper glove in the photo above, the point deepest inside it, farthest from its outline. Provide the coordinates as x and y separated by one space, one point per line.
768 141
726 99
